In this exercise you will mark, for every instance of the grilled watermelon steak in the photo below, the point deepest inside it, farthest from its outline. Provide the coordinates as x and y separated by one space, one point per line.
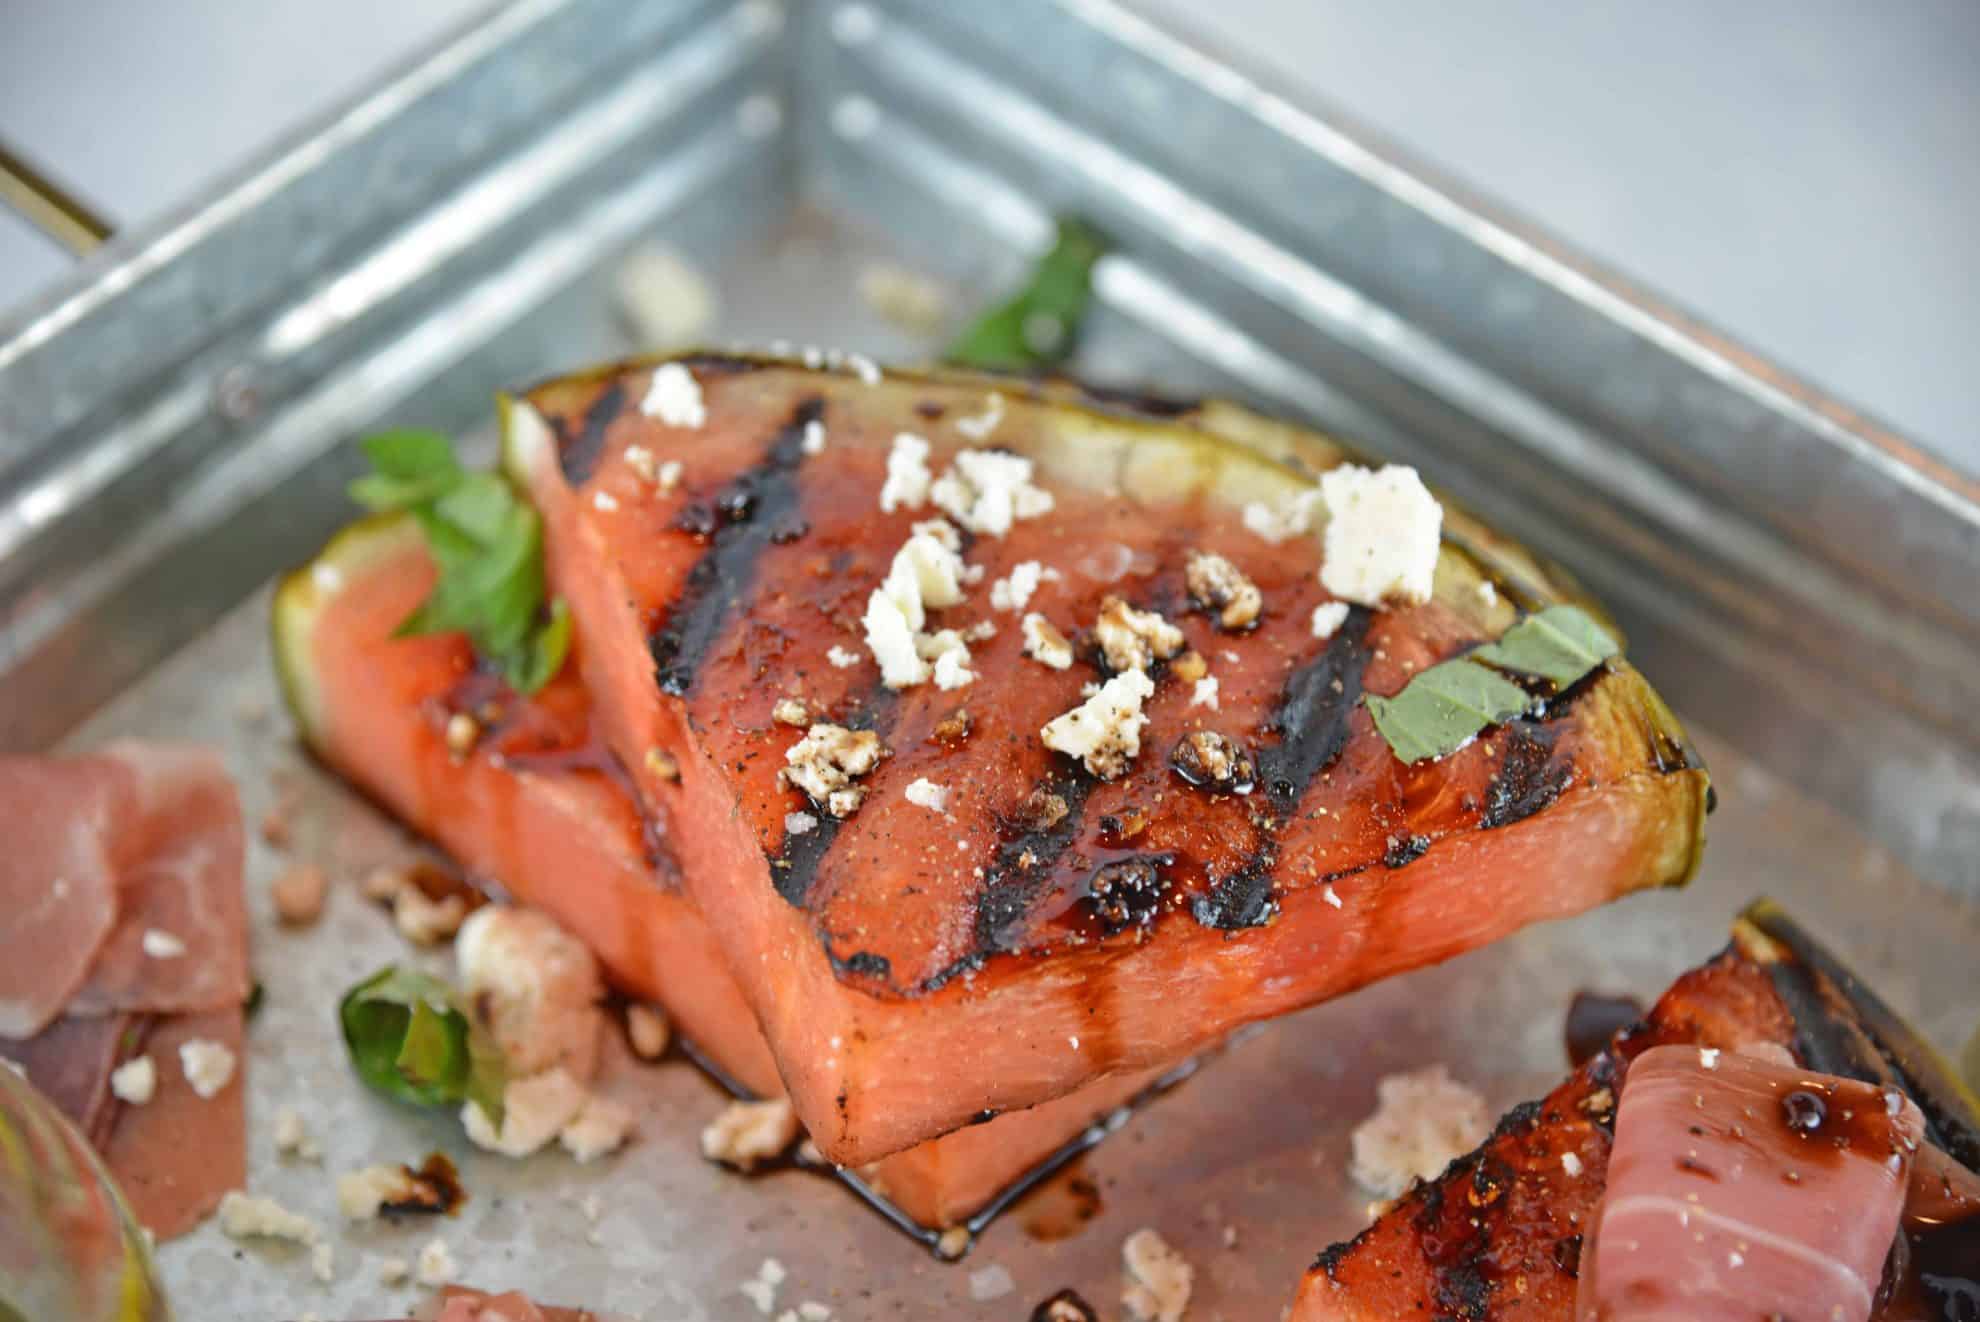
1506 1230
804 595
541 809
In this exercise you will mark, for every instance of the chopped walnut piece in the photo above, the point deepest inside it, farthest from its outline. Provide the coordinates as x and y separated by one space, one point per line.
1190 666
463 732
746 1134
1133 639
1159 1278
953 728
791 711
1205 757
827 760
426 922
662 765
1217 584
647 1031
298 894
1042 810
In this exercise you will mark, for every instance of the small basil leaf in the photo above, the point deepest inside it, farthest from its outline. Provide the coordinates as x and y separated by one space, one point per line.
537 662
481 506
1443 708
1559 644
410 1040
381 494
407 454
1037 327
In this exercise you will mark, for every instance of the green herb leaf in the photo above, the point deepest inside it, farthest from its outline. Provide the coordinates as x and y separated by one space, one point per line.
1443 708
1037 327
489 547
1560 643
410 1040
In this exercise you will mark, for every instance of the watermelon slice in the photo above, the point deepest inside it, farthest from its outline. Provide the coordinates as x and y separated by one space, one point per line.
1501 1232
542 810
913 968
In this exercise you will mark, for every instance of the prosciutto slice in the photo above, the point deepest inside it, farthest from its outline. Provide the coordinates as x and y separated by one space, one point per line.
182 884
1739 1187
65 851
71 1060
178 1154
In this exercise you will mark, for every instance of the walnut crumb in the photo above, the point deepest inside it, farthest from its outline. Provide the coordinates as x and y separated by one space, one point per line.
662 765
647 1031
426 922
746 1134
463 733
953 728
791 711
827 760
1159 1278
1190 666
1217 584
298 894
1131 639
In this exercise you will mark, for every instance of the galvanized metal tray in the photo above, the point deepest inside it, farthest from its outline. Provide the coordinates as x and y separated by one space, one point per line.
173 429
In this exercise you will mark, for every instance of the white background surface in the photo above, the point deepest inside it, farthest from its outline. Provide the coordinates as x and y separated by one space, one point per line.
1805 174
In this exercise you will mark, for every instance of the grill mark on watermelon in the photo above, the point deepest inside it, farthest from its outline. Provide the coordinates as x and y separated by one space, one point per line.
1530 777
755 504
578 453
794 871
1311 721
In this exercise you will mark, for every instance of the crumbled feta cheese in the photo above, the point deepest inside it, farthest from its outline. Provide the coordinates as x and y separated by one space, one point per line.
799 823
534 987
323 1262
135 1081
393 1271
1382 535
647 1030
208 1066
992 1282
864 368
1487 593
978 426
981 631
761 1293
1132 639
1013 592
436 1263
829 758
791 711
1289 518
1044 643
675 397
292 1138
643 462
1327 894
1217 584
952 669
534 1111
363 1193
1159 1278
812 440
772 1272
1424 1120
248 1216
842 658
811 1310
890 637
1205 693
666 301
600 1129
1571 1163
427 922
1708 1057
926 574
908 477
161 945
746 1133
988 490
927 794
1104 732
669 475
604 501
1328 617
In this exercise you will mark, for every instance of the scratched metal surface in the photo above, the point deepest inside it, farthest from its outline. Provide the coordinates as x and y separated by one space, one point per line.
175 433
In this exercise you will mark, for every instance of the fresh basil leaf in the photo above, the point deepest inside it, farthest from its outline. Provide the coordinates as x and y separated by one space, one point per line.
488 545
410 1040
1037 327
1443 708
1559 644
409 455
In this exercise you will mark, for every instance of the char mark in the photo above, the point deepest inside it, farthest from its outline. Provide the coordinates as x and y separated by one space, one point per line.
755 506
1404 850
861 963
795 870
577 454
1311 719
1246 898
1529 779
1028 850
1140 402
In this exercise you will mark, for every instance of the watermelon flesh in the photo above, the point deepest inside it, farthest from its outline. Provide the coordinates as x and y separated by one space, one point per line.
905 984
540 808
